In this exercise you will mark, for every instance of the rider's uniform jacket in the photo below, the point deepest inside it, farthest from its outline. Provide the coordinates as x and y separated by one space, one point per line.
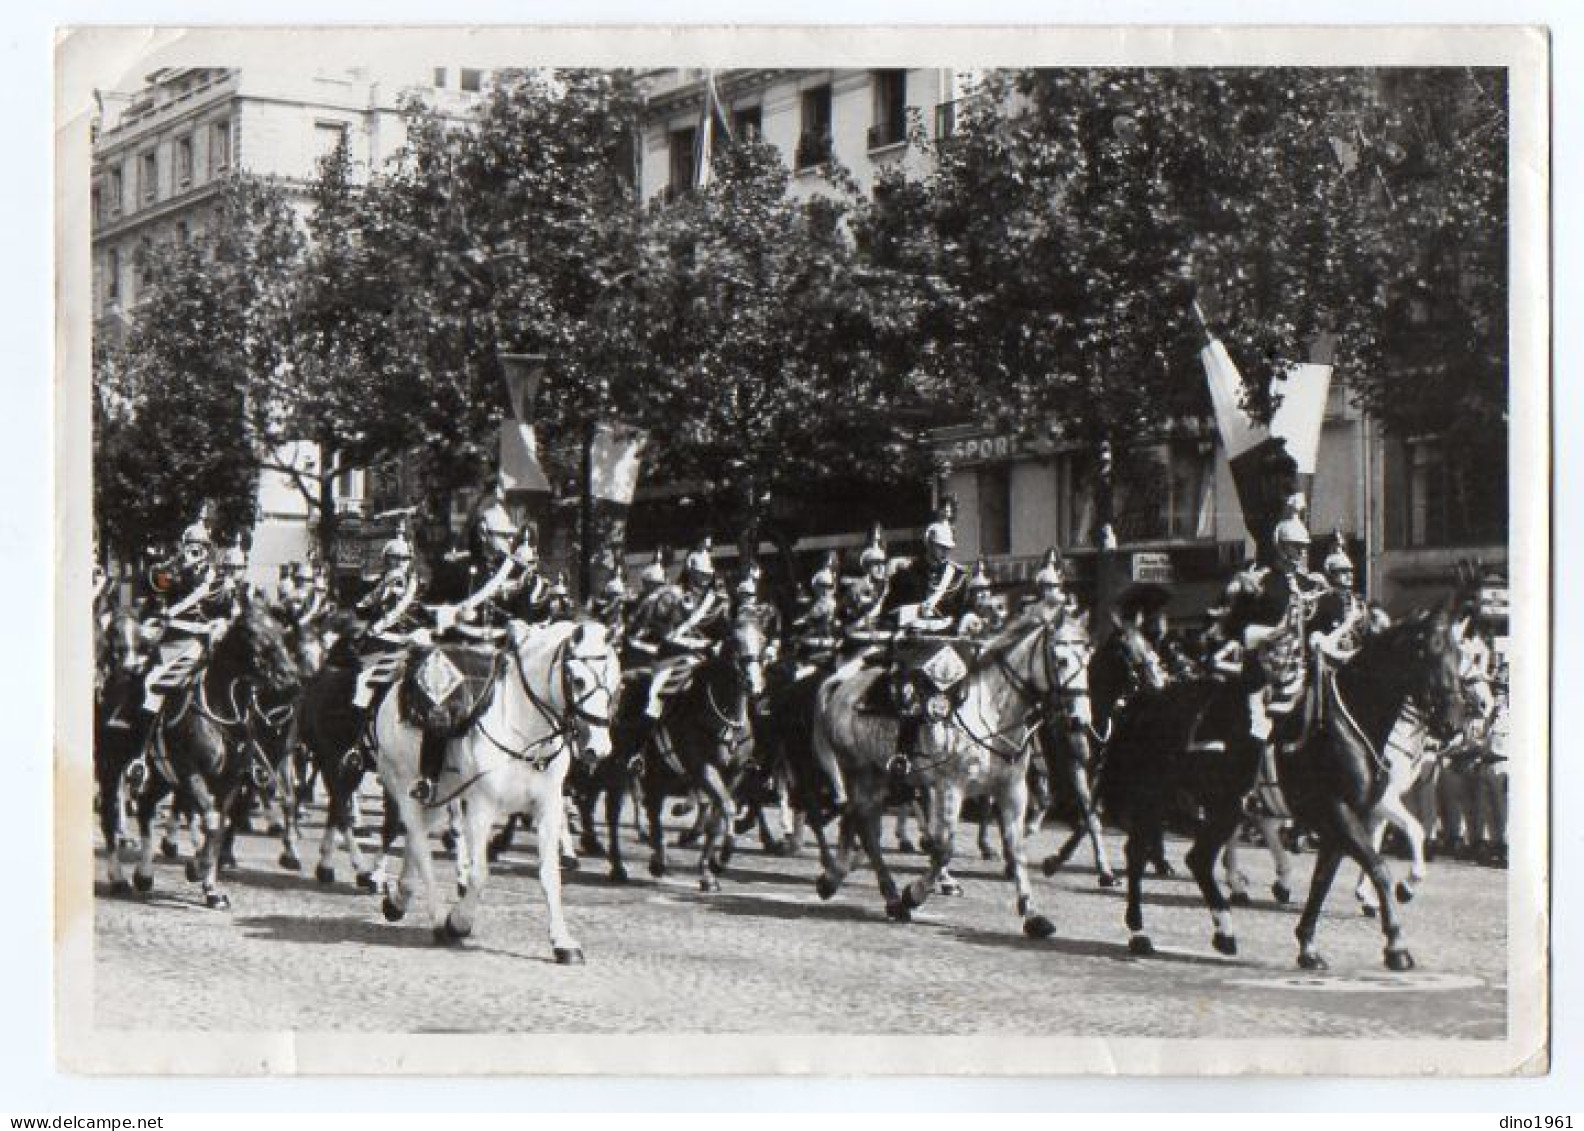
940 591
1342 616
816 632
973 625
701 614
530 597
390 607
863 603
199 597
651 620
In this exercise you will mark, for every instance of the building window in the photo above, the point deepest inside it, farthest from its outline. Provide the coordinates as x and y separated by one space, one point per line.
945 120
113 276
439 78
96 205
184 162
1447 502
890 109
220 147
471 80
995 509
183 233
148 177
328 137
1190 491
114 184
682 144
748 123
814 140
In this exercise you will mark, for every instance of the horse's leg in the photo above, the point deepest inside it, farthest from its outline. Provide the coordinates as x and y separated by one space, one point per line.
587 798
109 787
1398 814
568 850
212 812
945 808
463 850
835 867
1011 812
548 818
1088 815
615 796
1325 871
1215 832
148 800
870 821
501 842
1354 841
717 811
477 819
324 869
1270 832
986 850
654 802
1375 827
1236 877
1136 853
290 832
420 859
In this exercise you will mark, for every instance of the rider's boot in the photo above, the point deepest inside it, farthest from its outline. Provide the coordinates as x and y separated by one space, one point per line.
431 762
900 766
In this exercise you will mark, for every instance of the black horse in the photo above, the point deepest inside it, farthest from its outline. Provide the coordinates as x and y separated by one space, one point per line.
208 736
121 658
701 743
1409 672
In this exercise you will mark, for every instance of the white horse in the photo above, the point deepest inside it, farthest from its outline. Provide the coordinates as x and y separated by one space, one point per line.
552 701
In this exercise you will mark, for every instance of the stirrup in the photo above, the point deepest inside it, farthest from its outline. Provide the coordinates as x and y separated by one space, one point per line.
136 774
422 791
900 765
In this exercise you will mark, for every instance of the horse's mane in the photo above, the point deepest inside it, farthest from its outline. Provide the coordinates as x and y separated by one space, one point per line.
1014 633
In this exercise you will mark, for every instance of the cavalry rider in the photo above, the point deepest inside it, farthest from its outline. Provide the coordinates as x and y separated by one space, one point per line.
864 601
751 605
816 630
515 588
677 626
392 605
197 607
610 608
1263 628
1341 617
559 605
1051 602
233 576
927 595
981 618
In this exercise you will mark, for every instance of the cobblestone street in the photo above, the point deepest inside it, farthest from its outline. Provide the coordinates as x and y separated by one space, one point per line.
766 955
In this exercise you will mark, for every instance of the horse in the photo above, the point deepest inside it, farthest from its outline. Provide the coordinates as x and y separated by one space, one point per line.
1334 780
206 738
702 742
1408 758
121 658
553 689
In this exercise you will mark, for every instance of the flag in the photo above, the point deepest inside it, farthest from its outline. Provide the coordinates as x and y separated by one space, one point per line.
520 469
704 154
1268 463
614 462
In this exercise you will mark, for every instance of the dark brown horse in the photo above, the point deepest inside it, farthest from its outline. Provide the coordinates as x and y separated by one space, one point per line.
207 737
122 656
701 744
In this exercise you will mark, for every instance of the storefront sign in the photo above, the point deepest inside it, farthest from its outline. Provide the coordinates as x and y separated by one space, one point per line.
1493 601
982 449
1154 566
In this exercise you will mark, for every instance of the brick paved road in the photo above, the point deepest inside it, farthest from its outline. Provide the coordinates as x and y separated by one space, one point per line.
765 955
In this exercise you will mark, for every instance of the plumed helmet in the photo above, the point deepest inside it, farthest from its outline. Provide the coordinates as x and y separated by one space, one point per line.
525 545
397 551
233 558
823 581
302 571
1337 560
875 552
615 588
1052 571
655 572
981 577
559 589
940 534
196 535
1292 532
700 561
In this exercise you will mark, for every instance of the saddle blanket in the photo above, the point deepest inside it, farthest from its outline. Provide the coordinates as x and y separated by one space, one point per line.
446 688
178 667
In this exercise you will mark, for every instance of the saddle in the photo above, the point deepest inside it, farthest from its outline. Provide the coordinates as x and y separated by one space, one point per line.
923 666
446 688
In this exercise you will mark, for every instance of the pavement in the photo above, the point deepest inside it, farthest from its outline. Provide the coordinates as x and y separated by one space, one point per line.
766 955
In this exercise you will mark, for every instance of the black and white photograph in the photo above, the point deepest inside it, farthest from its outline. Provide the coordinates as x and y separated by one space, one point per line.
803 559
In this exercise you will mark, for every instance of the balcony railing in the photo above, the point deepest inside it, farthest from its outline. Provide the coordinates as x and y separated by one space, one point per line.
813 149
883 134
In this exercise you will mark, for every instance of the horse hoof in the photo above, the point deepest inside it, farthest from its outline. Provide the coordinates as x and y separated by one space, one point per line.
142 883
1140 946
618 874
708 883
1107 880
909 900
1399 961
949 887
1050 866
276 829
1038 927
325 874
493 852
217 901
718 866
448 840
289 861
687 839
120 888
461 891
392 912
569 863
569 956
1405 893
444 937
899 910
365 881
1166 870
1241 899
1311 960
824 886
985 852
656 869
1281 892
907 847
1010 871
1369 910
169 849
454 930
228 861
1224 944
591 846
192 871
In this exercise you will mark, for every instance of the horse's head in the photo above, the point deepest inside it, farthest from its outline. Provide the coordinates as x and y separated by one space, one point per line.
744 648
1067 651
590 676
254 647
1475 660
1422 658
1140 656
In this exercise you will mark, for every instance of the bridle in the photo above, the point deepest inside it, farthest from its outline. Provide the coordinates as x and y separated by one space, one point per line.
571 721
1039 702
